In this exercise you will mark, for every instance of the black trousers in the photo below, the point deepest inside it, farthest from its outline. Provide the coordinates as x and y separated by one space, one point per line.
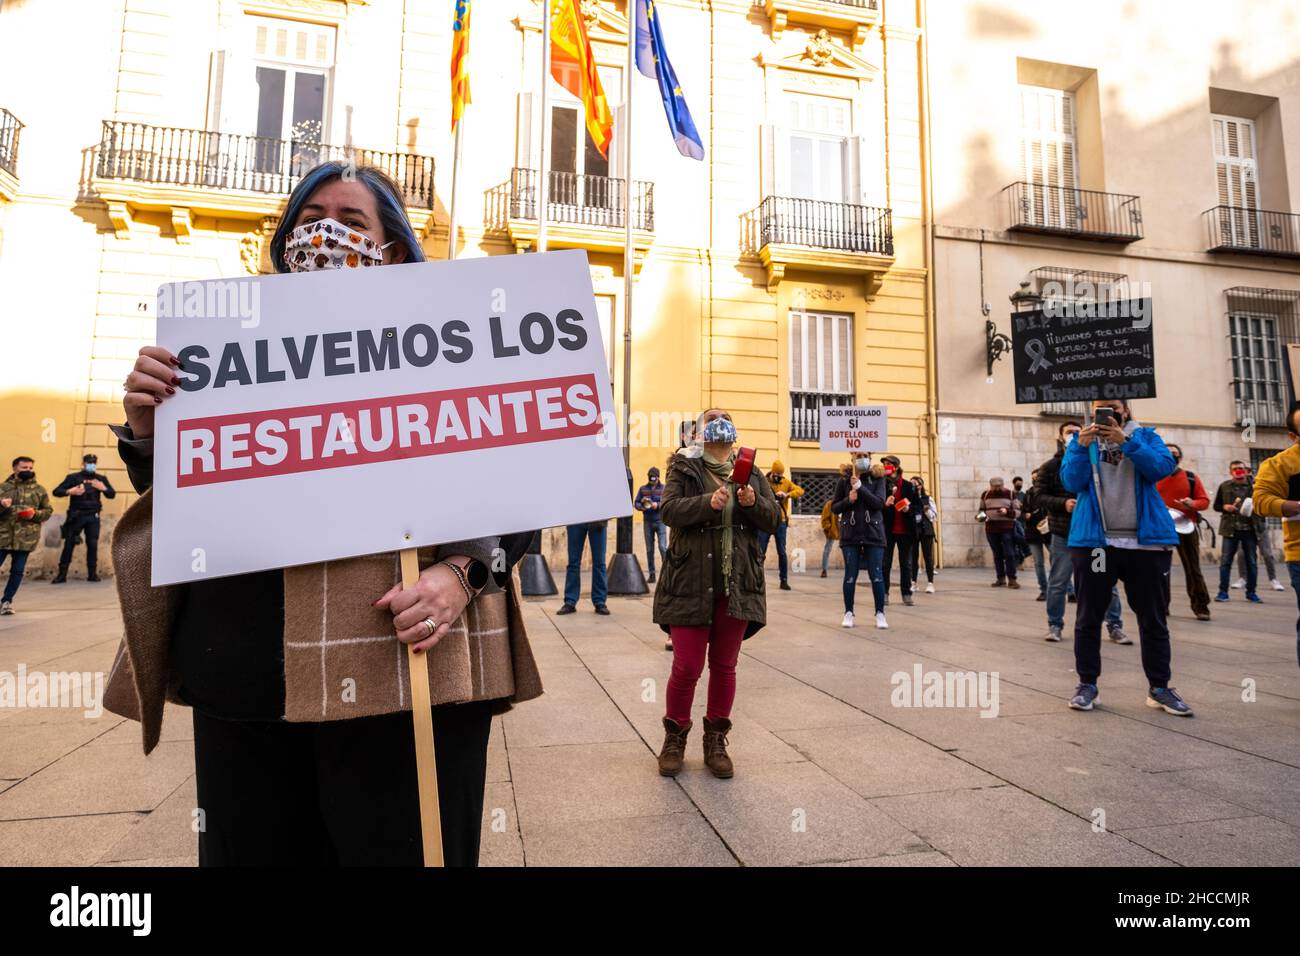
87 524
906 556
1145 575
924 548
341 793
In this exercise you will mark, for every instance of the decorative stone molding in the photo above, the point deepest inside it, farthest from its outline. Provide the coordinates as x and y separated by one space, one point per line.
853 21
820 49
778 259
182 223
120 216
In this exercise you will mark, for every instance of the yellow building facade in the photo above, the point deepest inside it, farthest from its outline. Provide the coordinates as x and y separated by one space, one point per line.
787 270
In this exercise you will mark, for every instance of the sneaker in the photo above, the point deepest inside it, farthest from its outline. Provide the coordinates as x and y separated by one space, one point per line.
1053 633
1042 596
1221 596
1238 584
1118 636
1168 701
1254 598
929 588
848 619
6 607
1278 585
1085 695
907 600
602 609
881 623
566 609
785 585
1202 615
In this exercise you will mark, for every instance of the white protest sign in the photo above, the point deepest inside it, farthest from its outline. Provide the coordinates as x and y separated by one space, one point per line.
330 414
854 428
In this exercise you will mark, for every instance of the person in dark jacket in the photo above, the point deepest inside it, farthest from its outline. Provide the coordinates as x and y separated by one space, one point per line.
656 532
902 503
860 502
1239 528
712 594
1059 504
925 519
999 508
84 489
1036 540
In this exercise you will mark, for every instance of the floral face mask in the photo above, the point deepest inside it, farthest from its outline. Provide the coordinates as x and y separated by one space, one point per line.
328 244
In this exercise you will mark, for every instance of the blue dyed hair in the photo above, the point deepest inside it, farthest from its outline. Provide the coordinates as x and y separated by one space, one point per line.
388 199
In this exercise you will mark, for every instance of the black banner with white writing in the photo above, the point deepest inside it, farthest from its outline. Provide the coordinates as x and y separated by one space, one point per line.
1084 351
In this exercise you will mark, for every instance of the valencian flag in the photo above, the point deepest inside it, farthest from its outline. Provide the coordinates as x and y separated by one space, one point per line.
459 62
574 67
652 61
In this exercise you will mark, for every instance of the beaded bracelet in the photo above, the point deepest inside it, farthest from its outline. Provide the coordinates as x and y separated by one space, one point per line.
461 577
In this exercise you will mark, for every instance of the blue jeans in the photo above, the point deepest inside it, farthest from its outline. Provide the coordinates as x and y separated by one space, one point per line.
1058 580
1040 563
1245 541
1295 586
826 554
654 529
783 563
578 535
855 556
17 566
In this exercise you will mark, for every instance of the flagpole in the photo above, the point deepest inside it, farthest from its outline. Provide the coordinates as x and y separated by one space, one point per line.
455 191
543 180
628 254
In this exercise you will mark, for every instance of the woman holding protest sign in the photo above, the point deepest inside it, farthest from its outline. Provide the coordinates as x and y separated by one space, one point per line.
712 593
860 502
284 776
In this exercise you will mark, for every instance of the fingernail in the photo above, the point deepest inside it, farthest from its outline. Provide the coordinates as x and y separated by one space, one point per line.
172 359
157 399
176 380
170 390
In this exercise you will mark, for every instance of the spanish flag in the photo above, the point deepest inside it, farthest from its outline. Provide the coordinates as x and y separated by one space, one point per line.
460 97
574 67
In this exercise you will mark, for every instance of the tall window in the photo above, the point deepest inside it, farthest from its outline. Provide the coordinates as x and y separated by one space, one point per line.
1237 172
291 69
821 368
814 154
1049 152
1258 381
580 174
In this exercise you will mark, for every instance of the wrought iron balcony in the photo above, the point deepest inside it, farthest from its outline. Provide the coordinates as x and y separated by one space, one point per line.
806 412
259 164
580 199
843 227
864 4
10 128
1077 213
1253 231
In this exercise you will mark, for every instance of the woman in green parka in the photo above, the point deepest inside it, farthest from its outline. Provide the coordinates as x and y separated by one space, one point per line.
712 594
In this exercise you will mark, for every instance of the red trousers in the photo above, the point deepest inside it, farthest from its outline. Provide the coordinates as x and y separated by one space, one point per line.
721 642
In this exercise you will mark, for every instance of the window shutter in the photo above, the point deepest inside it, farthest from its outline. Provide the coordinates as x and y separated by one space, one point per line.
216 80
617 159
796 352
526 150
852 153
1236 176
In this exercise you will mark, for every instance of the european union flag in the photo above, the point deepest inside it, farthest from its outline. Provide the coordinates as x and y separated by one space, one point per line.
652 61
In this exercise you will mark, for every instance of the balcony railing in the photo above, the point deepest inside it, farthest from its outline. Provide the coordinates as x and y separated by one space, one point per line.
10 128
823 225
580 199
806 412
260 164
864 4
1254 231
1078 213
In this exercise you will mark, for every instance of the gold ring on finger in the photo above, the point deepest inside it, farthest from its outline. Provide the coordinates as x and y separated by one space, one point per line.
430 626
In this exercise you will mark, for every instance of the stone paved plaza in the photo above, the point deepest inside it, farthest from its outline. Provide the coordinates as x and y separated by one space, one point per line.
829 771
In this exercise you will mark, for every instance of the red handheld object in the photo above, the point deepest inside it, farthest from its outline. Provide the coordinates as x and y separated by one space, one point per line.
744 466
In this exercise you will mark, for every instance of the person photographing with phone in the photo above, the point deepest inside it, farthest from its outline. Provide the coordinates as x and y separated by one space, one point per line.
83 489
1120 531
24 506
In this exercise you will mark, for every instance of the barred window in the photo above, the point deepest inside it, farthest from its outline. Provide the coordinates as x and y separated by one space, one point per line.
818 488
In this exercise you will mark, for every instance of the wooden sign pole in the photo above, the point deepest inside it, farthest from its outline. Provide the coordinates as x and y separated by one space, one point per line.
426 767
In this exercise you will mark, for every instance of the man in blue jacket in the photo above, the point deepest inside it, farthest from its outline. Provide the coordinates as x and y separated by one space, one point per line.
1120 531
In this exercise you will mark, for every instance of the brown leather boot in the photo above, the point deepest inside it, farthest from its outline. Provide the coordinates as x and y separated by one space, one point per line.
715 747
674 749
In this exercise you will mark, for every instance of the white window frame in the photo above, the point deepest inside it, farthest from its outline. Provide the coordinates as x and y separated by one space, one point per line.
1057 203
1237 179
826 332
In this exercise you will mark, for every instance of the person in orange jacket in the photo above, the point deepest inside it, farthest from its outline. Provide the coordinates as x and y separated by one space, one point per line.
1183 492
785 491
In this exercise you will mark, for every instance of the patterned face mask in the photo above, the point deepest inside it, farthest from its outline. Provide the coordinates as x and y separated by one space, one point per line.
718 430
328 244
